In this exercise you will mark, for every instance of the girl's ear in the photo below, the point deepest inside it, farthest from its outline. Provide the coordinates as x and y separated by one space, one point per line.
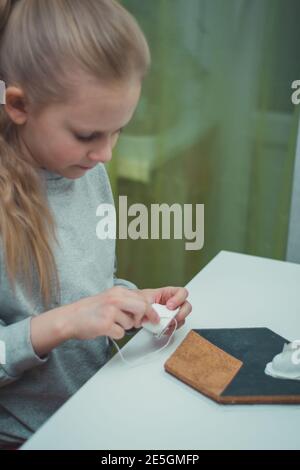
16 106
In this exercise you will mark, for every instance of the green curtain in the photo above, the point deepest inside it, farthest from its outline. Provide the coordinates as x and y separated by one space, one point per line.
215 126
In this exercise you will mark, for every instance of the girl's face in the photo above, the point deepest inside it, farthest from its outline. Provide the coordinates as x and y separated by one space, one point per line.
69 137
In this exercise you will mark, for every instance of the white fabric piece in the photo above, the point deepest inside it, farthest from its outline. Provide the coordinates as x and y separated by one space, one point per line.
166 316
286 365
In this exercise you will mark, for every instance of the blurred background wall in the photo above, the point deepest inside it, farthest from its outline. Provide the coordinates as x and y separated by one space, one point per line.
215 126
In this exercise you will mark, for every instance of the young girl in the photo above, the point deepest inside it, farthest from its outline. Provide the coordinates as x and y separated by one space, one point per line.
73 71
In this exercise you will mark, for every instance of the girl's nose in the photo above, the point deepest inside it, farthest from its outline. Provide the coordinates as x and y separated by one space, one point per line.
102 155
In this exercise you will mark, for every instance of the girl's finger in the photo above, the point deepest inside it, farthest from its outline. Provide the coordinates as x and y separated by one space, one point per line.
135 305
116 332
184 311
126 321
178 298
170 329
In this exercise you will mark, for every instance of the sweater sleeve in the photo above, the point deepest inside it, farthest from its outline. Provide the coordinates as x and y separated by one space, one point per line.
17 353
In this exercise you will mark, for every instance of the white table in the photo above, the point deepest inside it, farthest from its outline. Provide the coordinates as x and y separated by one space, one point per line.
146 408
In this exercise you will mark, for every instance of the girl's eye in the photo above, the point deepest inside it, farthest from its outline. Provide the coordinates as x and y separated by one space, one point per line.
89 138
83 138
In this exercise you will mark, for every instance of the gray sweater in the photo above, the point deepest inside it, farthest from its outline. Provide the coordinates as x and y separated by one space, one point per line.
31 388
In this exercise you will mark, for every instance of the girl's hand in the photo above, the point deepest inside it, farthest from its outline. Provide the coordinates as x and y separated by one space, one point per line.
172 297
109 313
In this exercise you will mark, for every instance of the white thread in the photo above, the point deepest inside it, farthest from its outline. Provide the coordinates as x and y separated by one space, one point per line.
133 363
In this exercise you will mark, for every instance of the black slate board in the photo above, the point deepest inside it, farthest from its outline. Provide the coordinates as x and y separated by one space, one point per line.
255 347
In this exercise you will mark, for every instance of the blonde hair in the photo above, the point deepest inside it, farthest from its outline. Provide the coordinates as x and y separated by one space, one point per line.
41 42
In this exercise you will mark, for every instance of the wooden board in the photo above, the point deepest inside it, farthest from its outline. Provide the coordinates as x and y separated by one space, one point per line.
228 365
